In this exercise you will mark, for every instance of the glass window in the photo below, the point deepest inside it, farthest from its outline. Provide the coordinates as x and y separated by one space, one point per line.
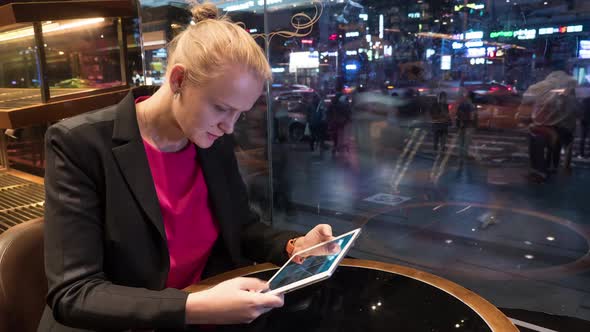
454 132
135 64
82 55
19 76
161 22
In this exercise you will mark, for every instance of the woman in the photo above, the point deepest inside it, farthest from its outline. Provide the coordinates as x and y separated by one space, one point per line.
145 198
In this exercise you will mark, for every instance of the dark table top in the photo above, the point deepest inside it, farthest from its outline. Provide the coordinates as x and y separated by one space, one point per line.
372 296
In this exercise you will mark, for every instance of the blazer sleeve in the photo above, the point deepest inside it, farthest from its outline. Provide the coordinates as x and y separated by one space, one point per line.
80 293
260 242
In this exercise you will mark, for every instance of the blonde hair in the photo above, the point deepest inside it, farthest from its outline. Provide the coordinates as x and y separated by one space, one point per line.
212 43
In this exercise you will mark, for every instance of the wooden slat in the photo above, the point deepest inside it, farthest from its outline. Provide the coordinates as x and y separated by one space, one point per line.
55 111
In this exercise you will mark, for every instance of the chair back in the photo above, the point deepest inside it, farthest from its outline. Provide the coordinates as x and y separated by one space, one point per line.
23 285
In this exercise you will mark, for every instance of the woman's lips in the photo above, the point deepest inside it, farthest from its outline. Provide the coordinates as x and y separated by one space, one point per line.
212 137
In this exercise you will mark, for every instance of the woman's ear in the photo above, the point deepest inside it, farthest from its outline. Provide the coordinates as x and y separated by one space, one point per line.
177 77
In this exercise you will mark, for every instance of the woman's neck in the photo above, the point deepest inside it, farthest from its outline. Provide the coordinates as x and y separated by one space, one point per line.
157 124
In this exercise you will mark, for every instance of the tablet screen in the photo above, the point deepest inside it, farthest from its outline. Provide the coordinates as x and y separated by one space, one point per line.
317 260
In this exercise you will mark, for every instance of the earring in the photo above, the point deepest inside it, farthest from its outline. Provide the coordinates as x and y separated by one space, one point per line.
176 93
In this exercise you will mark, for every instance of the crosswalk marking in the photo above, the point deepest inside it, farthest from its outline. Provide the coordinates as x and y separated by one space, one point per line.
503 146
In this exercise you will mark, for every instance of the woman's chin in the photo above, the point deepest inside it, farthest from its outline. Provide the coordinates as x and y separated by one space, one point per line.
203 143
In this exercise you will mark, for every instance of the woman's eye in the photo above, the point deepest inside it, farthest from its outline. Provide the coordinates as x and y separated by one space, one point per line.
219 109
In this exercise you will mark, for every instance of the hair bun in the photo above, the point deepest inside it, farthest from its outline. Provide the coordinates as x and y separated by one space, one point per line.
205 11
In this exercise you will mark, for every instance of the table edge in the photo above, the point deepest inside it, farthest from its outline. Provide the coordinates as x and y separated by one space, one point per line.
493 317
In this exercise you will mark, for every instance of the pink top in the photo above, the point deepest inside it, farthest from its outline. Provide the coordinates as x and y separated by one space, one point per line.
191 229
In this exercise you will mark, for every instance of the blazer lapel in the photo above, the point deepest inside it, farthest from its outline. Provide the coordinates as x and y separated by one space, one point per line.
130 155
217 186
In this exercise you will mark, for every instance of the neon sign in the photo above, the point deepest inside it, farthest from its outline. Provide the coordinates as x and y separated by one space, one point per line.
303 60
584 52
477 61
476 6
351 66
471 44
445 62
525 34
500 34
430 52
469 35
476 52
562 29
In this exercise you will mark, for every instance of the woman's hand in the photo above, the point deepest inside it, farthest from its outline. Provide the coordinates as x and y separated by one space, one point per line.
236 301
320 233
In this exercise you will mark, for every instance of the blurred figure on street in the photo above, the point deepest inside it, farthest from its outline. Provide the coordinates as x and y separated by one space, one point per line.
339 115
440 119
316 119
584 125
565 128
466 124
553 123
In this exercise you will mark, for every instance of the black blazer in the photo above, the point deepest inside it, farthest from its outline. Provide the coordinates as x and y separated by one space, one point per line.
106 257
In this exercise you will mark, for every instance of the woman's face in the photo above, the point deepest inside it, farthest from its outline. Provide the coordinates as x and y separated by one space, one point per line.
208 112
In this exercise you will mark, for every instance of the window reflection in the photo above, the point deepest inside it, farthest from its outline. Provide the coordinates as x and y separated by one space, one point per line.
91 62
453 131
19 81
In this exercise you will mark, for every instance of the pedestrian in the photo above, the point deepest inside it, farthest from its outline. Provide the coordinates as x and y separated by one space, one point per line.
339 116
542 142
440 119
316 122
584 125
466 120
568 107
553 123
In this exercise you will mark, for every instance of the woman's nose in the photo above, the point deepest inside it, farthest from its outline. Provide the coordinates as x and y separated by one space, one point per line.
229 122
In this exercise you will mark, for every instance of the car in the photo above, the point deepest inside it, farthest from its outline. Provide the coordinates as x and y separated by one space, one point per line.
497 111
403 88
453 89
492 87
290 112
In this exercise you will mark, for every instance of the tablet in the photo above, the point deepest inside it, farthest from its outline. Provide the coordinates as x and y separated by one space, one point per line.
319 262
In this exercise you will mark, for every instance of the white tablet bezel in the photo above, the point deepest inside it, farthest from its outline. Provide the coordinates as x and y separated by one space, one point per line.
320 276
